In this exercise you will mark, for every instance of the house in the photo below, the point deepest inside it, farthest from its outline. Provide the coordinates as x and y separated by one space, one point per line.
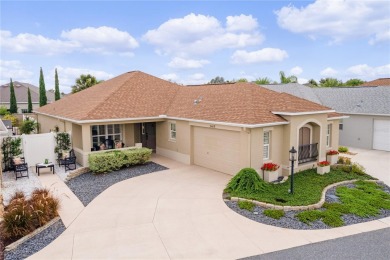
224 127
21 96
368 124
381 82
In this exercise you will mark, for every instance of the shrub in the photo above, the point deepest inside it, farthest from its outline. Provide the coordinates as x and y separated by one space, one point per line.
28 126
247 180
270 167
344 160
332 152
274 213
23 216
114 160
3 110
323 163
357 168
343 149
309 216
248 205
14 119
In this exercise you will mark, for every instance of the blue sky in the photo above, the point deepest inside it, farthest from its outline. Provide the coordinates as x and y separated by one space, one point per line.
191 42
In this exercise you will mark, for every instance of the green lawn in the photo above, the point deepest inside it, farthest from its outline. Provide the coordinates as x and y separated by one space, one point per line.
308 186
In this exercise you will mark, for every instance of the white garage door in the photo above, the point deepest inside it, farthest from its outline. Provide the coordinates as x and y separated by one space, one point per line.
217 149
381 135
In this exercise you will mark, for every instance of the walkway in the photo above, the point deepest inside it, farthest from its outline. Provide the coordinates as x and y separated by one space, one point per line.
177 213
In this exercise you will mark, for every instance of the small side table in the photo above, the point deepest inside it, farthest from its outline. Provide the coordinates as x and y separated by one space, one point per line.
44 165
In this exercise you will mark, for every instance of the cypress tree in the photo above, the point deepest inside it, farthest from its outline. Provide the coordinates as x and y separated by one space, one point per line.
13 107
29 108
42 90
57 87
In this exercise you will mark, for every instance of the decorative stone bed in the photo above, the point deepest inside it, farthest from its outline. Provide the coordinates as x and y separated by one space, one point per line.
290 221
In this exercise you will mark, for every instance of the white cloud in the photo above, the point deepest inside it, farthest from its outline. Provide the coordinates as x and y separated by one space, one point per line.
338 19
180 63
365 71
241 23
263 55
101 40
68 75
302 80
195 79
329 72
200 34
170 76
15 70
296 70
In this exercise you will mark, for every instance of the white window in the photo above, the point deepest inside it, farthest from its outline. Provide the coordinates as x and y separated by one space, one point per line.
266 141
328 135
172 130
102 132
341 124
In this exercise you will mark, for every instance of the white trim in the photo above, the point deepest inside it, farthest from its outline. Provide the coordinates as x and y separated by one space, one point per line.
365 114
107 121
267 145
170 131
337 117
302 113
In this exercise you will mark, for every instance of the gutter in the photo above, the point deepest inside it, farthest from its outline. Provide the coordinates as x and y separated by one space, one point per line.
302 113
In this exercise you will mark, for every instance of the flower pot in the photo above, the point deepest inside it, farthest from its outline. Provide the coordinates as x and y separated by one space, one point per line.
332 159
271 176
322 170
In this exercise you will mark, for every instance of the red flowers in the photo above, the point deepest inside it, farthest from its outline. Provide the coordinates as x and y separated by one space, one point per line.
271 167
323 163
332 152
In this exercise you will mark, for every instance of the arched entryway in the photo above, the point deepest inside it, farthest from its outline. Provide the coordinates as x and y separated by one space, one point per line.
308 140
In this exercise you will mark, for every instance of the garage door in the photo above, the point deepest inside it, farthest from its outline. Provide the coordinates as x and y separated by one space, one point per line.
381 135
217 149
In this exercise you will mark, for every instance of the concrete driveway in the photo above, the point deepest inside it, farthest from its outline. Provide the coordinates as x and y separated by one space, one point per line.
377 163
176 214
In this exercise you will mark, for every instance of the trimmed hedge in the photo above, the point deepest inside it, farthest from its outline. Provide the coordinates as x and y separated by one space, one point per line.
114 160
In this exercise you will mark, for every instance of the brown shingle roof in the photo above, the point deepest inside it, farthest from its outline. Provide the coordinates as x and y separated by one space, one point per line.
21 93
137 95
377 82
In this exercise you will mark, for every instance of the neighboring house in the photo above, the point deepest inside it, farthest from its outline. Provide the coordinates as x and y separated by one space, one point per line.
21 96
5 128
368 108
222 127
382 82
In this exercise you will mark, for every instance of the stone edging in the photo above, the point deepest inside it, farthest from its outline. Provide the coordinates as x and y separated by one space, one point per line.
77 172
28 236
290 208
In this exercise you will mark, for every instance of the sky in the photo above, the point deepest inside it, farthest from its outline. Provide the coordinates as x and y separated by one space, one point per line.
191 42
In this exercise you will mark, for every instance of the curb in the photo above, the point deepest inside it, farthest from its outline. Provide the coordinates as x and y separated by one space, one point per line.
76 173
28 236
307 207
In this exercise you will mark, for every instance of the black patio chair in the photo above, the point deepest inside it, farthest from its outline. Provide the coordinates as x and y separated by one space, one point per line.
69 162
20 168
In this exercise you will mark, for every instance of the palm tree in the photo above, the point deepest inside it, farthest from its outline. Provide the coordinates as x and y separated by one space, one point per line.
263 81
84 82
290 79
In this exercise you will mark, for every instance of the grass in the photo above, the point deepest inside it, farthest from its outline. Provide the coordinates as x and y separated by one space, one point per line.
274 213
246 205
308 186
365 200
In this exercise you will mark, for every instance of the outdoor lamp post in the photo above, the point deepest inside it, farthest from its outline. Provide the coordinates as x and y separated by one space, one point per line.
292 159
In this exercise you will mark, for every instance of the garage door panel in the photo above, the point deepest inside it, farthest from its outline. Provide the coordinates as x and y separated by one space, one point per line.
217 149
381 135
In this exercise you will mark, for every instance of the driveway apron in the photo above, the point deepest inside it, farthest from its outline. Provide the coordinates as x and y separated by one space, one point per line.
176 214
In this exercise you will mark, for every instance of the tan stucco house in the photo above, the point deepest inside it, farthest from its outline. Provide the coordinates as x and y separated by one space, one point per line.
224 127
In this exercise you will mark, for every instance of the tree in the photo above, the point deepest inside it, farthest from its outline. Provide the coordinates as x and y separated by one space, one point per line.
313 83
42 90
217 80
290 79
57 94
29 126
29 102
263 81
13 106
242 80
84 82
330 83
354 82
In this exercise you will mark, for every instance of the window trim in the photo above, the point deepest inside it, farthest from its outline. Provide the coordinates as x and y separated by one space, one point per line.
106 134
170 131
267 145
328 135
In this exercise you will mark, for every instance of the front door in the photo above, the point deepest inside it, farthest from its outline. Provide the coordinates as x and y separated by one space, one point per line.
148 135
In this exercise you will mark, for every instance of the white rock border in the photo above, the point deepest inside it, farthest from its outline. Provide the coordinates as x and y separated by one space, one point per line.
17 243
77 172
307 207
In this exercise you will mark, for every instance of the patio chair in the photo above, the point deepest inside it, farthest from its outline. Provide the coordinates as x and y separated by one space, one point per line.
20 168
69 162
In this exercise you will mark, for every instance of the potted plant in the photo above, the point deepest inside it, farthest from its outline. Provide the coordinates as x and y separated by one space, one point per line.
270 172
323 167
332 156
